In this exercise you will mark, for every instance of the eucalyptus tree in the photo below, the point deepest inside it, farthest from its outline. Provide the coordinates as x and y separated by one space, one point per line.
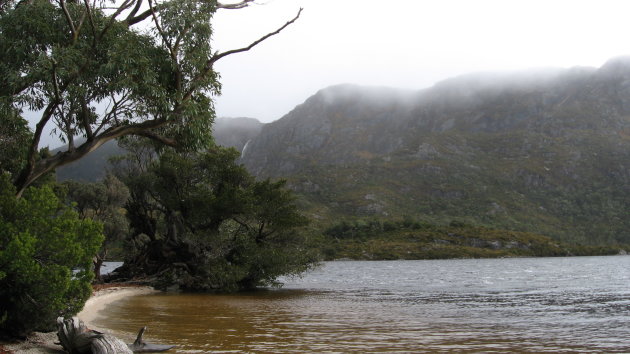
46 253
105 69
201 222
103 202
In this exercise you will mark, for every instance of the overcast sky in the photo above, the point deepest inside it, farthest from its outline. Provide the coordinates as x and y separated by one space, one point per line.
403 43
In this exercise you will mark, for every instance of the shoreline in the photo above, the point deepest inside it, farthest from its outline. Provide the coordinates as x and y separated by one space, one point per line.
103 297
44 342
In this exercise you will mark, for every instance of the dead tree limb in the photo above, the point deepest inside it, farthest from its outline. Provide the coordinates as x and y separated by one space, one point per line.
235 6
76 338
221 55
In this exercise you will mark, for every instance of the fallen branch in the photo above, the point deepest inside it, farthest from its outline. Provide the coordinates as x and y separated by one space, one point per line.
76 338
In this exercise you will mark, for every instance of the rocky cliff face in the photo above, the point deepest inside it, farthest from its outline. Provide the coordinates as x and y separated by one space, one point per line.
343 124
544 151
337 125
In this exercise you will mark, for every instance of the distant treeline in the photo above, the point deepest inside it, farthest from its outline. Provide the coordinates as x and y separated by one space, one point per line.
408 238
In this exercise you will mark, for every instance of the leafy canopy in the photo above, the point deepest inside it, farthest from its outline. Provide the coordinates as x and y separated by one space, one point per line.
102 70
201 222
45 259
104 202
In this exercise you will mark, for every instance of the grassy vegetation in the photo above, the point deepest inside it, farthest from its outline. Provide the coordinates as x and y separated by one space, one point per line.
576 192
373 239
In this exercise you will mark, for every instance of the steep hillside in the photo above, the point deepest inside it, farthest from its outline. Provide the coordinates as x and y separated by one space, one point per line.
545 152
235 132
229 132
90 168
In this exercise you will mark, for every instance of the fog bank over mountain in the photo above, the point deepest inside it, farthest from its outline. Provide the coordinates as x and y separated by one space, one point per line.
545 151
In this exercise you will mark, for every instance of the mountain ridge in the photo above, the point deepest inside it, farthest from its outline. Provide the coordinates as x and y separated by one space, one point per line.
548 156
545 152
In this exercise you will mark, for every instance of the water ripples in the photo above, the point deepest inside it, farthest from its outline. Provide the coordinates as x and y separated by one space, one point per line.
522 305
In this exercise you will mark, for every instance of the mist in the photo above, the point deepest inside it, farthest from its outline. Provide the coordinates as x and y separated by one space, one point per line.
409 45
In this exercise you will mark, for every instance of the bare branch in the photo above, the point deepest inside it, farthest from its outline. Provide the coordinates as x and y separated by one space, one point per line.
137 19
112 113
125 5
132 19
239 5
218 56
135 10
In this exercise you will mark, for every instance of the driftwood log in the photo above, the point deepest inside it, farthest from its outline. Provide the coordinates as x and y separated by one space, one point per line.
76 338
140 346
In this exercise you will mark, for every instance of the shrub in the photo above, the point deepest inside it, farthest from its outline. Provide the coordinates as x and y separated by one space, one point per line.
45 259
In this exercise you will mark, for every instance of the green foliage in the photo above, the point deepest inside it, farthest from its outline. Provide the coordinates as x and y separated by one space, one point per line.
104 202
14 138
89 72
205 224
408 239
45 259
572 189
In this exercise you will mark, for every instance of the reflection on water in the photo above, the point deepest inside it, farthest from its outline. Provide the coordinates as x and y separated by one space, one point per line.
500 305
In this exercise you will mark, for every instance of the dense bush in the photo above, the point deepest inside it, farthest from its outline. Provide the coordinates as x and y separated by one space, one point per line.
365 228
103 201
201 222
411 239
45 259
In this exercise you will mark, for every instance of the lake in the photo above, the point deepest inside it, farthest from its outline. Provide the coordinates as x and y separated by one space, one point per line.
575 304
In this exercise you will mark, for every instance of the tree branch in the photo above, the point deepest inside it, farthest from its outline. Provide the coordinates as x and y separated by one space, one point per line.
153 136
88 10
219 56
137 19
242 223
239 5
36 170
135 10
125 5
132 19
168 44
85 112
24 176
73 30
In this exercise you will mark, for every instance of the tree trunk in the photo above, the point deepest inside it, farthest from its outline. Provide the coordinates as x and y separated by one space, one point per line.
98 260
76 338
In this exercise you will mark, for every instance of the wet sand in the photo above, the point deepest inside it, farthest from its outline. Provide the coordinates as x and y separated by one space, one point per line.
45 342
101 298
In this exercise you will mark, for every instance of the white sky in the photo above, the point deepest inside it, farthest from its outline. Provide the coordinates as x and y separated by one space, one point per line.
403 43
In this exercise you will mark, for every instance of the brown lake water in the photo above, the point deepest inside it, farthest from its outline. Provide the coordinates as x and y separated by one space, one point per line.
579 304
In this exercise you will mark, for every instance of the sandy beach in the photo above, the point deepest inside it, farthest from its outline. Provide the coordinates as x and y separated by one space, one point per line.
45 342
